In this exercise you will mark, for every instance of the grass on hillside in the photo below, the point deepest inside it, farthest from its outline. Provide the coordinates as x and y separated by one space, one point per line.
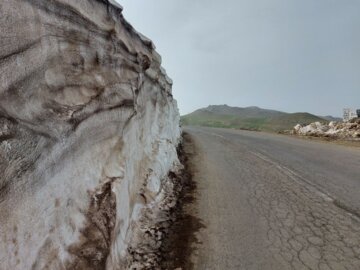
276 124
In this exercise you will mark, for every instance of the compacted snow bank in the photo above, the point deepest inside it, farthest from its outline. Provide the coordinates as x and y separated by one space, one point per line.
88 137
336 130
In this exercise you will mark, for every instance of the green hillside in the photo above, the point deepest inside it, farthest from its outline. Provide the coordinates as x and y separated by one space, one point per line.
251 118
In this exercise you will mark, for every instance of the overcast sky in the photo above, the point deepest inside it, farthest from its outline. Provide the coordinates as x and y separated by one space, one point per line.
289 55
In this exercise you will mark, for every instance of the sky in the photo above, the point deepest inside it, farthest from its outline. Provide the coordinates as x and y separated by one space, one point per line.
288 55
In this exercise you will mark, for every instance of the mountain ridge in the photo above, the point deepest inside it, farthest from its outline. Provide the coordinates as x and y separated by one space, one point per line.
252 118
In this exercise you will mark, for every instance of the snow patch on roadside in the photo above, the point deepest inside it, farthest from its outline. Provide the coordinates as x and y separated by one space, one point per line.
341 130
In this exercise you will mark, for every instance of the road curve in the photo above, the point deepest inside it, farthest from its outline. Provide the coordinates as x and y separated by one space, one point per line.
274 202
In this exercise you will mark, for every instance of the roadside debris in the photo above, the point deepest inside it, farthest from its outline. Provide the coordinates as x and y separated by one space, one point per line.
335 130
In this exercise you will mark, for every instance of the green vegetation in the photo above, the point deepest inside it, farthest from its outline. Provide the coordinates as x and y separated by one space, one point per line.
251 118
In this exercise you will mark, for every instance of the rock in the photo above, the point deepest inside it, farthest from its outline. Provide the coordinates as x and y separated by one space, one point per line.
86 112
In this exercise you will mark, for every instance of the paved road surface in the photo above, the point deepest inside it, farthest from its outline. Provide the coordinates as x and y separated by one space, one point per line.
275 202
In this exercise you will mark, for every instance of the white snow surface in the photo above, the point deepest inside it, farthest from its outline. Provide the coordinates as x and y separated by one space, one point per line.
84 104
333 129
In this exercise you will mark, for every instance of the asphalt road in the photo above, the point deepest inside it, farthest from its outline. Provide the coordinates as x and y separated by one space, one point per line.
274 202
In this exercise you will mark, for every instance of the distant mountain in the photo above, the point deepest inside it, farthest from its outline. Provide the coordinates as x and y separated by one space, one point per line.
251 118
331 118
248 112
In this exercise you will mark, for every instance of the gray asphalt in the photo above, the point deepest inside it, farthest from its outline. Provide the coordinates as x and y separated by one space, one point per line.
274 202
